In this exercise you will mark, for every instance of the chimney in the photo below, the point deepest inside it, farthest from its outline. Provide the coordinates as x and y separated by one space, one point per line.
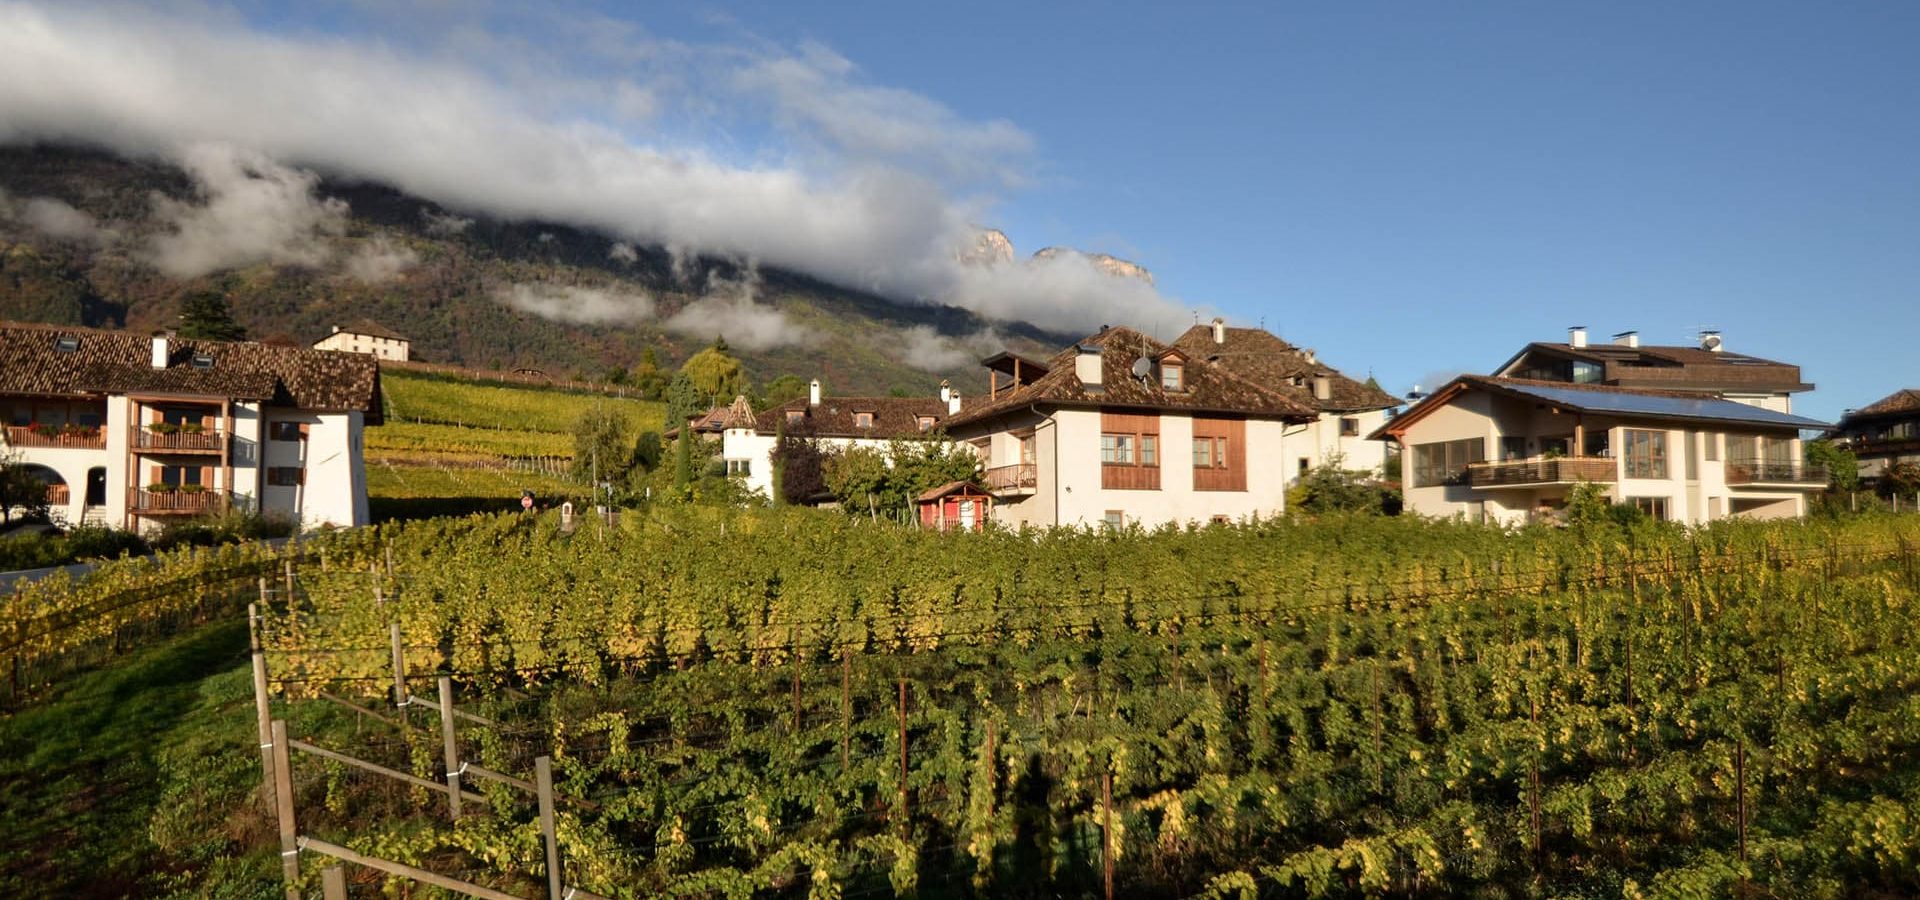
336 329
1313 359
946 392
160 351
953 402
813 393
1710 342
1627 338
1219 330
1577 336
1322 387
1087 364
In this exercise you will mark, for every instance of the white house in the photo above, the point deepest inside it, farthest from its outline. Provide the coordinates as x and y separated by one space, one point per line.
367 337
1349 410
130 431
748 438
1510 450
1122 429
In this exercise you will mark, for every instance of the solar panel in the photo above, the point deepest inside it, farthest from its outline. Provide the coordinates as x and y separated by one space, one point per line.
1667 407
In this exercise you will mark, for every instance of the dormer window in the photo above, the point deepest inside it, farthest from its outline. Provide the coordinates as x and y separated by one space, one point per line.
863 420
202 361
795 416
1173 376
66 343
926 423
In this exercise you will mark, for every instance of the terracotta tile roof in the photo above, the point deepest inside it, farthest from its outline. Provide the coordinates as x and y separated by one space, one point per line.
953 487
1264 359
1209 388
118 362
1901 401
893 417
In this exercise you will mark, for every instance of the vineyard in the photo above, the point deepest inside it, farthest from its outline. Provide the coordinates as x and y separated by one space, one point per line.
790 704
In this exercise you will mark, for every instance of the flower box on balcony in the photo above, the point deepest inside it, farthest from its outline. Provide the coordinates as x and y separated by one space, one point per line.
161 487
163 428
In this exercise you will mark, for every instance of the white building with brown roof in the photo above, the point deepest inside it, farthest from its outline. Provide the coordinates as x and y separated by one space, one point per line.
130 431
1883 433
372 338
1121 429
1707 368
1349 410
1511 450
748 438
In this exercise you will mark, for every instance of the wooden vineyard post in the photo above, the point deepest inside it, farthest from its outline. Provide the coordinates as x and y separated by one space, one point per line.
543 786
1740 804
903 751
389 551
846 711
283 807
1106 828
399 669
289 576
451 746
379 599
261 709
333 883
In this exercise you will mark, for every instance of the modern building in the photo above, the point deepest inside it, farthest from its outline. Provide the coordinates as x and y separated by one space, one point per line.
1883 433
1707 368
1510 450
1349 410
748 438
1121 429
130 431
367 337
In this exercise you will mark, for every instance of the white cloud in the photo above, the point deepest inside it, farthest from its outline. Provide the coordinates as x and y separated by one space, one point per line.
579 305
445 224
55 218
730 310
860 188
380 260
928 350
255 210
621 251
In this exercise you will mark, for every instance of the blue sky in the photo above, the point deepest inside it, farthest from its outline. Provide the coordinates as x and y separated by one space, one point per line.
1412 189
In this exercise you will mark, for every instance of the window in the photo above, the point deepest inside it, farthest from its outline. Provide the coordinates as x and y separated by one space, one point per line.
1445 462
66 343
1646 453
1713 447
1221 520
1587 372
1026 450
175 476
795 415
1149 449
202 361
287 431
926 423
1513 447
1654 507
1304 465
1206 451
1171 377
863 420
1116 449
1114 519
1349 426
740 467
1598 444
286 476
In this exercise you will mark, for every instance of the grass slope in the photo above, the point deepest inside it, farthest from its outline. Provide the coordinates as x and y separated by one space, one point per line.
436 398
140 780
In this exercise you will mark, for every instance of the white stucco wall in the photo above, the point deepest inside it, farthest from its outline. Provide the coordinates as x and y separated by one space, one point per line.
334 488
1082 502
349 342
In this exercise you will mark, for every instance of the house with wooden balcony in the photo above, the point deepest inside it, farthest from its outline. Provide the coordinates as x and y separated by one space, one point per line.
1704 368
1121 429
1511 450
129 430
1349 409
1882 433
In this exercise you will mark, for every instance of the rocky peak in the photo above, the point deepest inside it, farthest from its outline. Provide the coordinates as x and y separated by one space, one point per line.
1112 265
990 247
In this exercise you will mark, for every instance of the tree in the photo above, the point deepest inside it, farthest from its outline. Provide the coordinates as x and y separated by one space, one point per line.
684 400
204 315
647 377
888 480
647 451
1843 468
784 388
1902 479
602 446
20 488
800 466
683 458
1331 488
715 373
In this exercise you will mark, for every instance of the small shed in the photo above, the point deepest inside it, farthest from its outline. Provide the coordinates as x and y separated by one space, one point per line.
956 504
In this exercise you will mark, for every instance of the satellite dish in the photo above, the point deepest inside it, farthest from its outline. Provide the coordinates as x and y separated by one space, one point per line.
1142 367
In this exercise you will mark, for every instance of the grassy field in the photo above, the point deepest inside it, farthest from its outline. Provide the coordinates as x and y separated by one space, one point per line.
412 396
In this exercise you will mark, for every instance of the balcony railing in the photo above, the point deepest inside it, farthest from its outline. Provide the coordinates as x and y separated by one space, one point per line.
180 441
56 436
1012 478
1560 470
163 503
1760 471
58 495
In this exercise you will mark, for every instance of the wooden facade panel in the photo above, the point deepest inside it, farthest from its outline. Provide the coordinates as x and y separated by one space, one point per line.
1136 476
1227 455
1130 478
1129 423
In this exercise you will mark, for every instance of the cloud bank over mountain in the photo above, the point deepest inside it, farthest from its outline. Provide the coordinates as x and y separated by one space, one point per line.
860 184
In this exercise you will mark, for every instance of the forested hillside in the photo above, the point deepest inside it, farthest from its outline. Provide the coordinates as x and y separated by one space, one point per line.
87 237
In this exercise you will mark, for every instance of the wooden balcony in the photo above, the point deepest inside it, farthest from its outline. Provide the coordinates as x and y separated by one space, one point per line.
1129 478
145 502
56 437
1541 471
1775 473
1012 479
148 441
